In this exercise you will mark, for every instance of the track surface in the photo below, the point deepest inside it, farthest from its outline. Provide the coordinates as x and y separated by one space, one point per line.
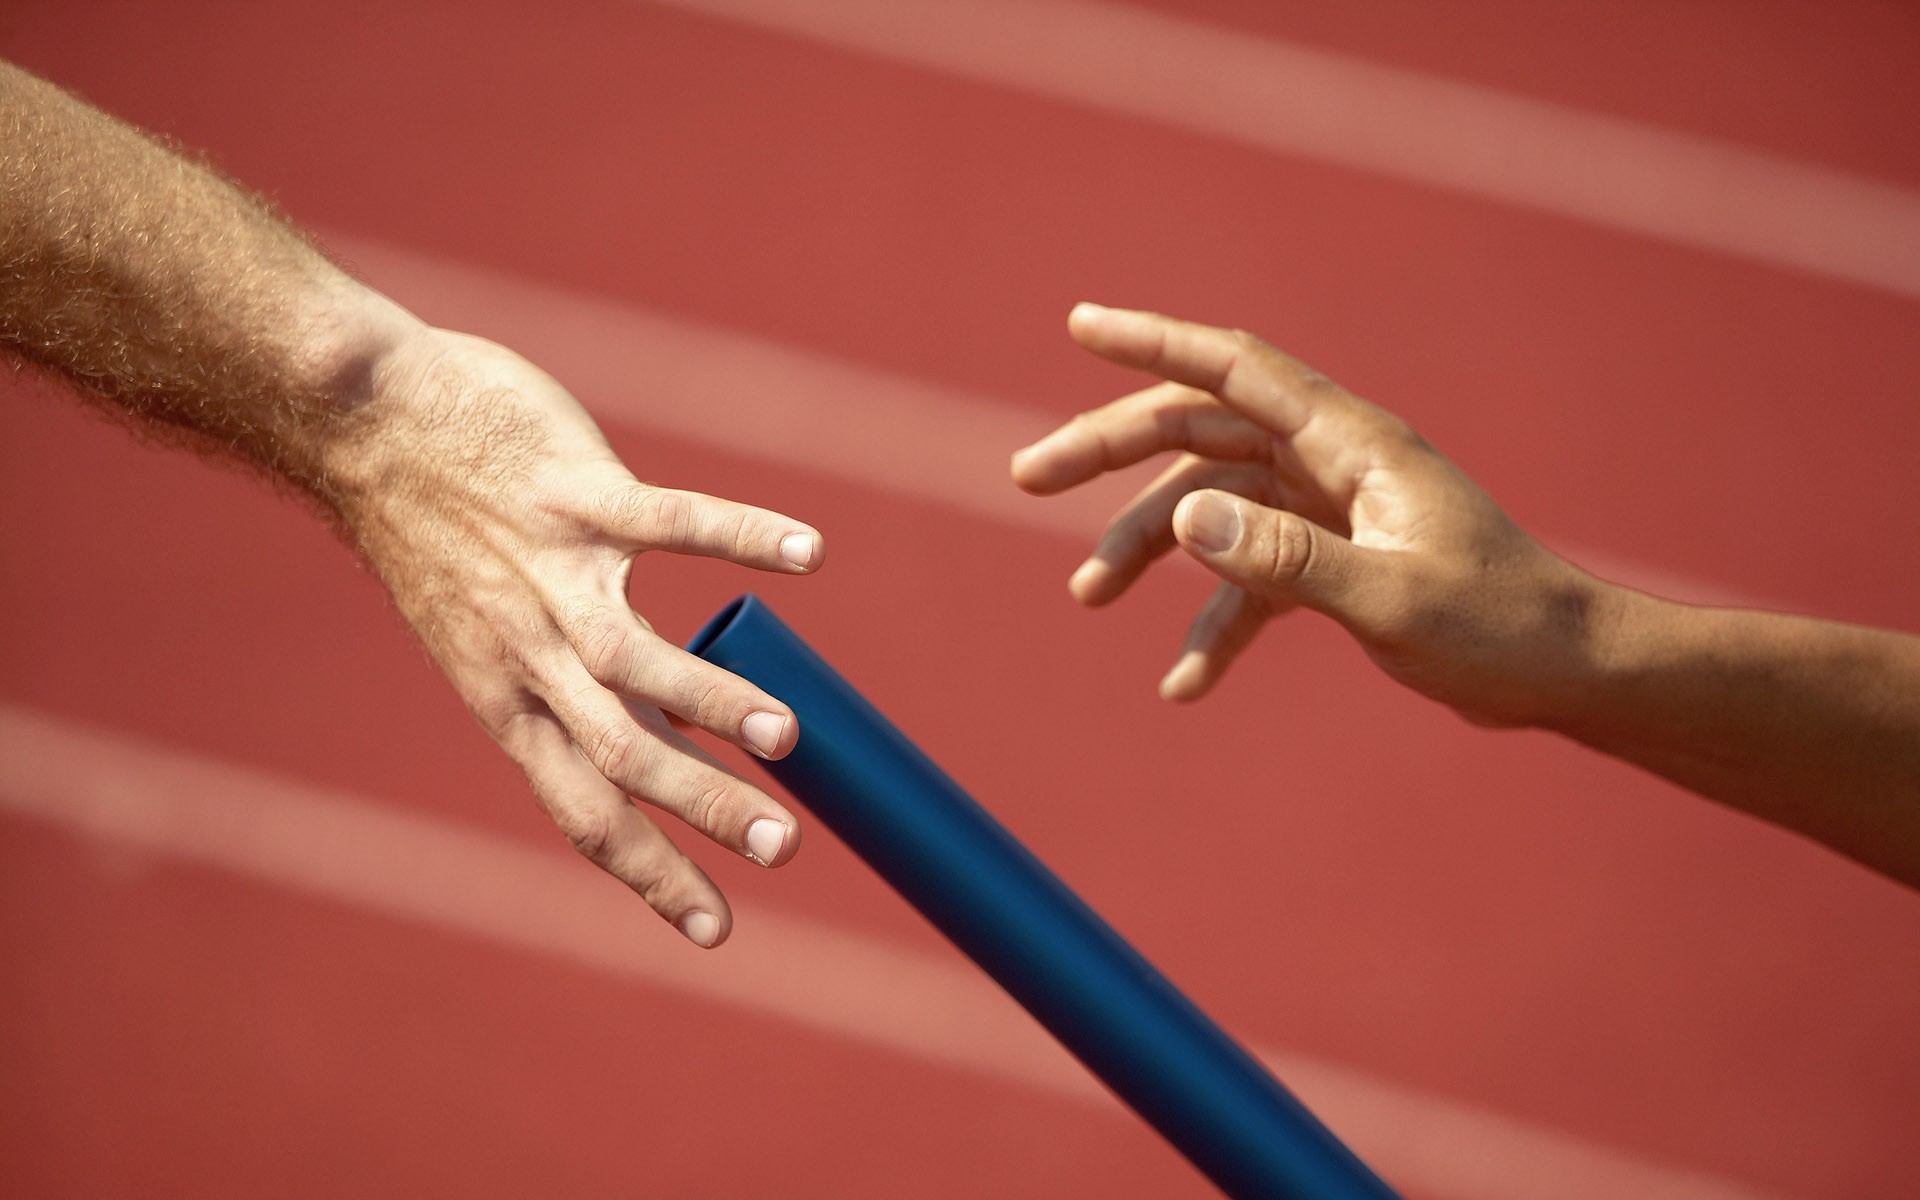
1502 965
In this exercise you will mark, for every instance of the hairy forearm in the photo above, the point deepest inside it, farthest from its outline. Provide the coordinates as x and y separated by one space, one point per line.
1813 725
172 296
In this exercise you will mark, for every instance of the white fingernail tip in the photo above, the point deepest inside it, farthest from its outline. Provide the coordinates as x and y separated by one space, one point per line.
701 928
798 549
763 731
765 839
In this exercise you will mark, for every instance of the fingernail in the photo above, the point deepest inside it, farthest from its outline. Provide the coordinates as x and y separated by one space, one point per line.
1087 308
763 731
797 548
701 928
765 838
1212 523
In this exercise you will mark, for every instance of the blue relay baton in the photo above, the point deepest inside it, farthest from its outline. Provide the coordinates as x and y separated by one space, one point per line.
1005 910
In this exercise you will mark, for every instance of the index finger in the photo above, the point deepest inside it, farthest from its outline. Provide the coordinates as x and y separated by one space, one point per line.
1248 375
682 522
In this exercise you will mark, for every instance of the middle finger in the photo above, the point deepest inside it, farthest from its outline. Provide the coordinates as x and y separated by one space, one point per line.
1166 416
660 766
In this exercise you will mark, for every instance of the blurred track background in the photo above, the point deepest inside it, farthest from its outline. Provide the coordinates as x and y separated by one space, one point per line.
276 919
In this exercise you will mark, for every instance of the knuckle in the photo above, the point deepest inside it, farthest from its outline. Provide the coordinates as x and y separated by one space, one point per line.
1289 550
710 808
1406 435
592 834
657 883
603 651
1173 426
745 534
1128 541
652 514
1249 366
668 517
623 505
1253 352
504 717
616 751
601 639
704 700
1311 380
1080 427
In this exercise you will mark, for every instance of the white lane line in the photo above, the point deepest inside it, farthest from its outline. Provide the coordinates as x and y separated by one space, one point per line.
800 409
276 831
1294 100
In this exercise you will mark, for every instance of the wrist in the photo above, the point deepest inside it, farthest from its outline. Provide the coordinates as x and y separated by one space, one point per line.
346 332
443 414
351 339
1618 629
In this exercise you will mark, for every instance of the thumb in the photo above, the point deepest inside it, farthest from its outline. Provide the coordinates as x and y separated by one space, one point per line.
1271 552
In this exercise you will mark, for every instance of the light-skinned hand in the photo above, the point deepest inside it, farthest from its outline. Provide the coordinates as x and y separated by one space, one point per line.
506 529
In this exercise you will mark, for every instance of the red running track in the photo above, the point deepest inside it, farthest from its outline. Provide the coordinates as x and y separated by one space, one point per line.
277 920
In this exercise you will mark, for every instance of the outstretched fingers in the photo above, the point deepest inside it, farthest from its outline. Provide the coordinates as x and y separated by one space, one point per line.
605 827
1132 429
1142 533
636 751
1225 625
621 653
1251 377
645 517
